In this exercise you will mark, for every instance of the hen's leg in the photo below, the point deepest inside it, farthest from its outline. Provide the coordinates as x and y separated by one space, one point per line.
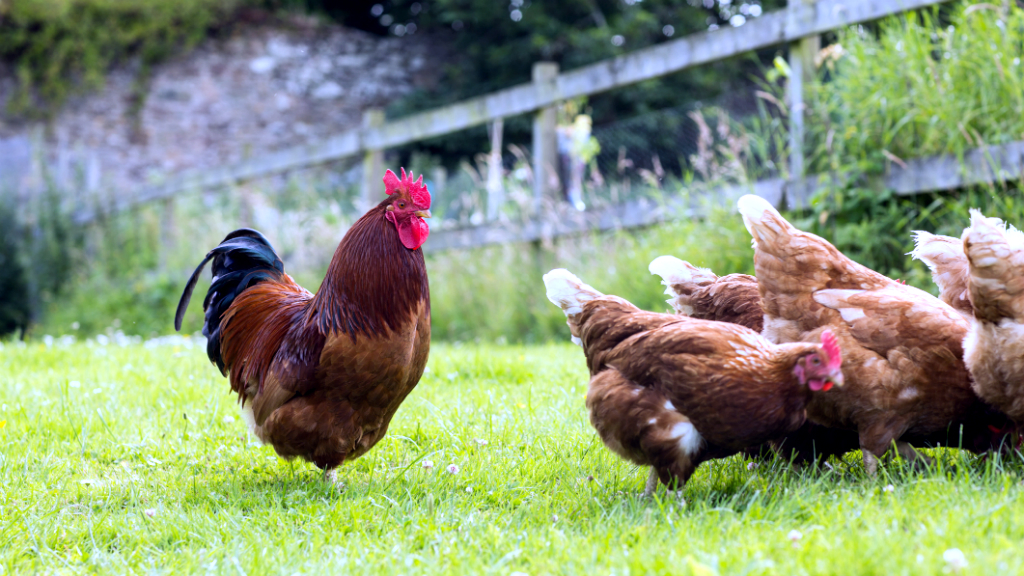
918 460
652 483
876 438
870 463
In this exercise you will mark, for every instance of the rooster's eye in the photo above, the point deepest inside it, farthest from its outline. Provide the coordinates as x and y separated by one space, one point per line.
815 360
401 204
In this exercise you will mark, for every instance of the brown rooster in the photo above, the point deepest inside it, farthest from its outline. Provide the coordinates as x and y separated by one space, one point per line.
671 392
320 375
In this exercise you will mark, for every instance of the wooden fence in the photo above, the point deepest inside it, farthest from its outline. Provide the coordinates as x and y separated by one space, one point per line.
798 25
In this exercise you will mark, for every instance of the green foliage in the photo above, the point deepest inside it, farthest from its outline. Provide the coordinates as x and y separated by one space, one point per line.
492 50
924 84
133 459
15 307
60 46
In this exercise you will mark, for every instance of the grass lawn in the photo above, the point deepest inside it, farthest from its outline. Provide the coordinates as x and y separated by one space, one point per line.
132 458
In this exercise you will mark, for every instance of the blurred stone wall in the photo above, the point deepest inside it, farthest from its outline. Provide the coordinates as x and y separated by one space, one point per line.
263 88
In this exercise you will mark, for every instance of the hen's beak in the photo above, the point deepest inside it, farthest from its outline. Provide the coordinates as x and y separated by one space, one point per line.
836 378
422 213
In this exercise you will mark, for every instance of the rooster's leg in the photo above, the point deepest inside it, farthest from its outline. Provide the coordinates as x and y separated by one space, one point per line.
652 483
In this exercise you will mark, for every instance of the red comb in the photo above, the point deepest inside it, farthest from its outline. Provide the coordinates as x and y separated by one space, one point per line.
417 191
830 345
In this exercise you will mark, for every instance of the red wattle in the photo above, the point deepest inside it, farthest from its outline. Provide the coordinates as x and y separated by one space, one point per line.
413 232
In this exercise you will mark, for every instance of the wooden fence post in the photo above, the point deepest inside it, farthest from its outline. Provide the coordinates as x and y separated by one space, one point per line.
802 70
373 163
545 138
495 189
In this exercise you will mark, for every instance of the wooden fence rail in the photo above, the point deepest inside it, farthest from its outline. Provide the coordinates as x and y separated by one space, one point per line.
979 166
800 22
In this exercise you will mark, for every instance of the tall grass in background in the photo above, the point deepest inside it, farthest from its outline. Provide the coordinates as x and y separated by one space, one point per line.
922 84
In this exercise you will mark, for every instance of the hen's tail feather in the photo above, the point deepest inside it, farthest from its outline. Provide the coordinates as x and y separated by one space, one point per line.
993 248
243 259
760 216
568 292
678 275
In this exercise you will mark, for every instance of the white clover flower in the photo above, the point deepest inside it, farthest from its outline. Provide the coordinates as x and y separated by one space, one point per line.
452 469
229 419
888 488
427 464
469 489
794 536
955 559
150 512
753 466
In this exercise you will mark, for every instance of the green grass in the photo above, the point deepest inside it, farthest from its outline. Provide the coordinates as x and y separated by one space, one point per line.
94 436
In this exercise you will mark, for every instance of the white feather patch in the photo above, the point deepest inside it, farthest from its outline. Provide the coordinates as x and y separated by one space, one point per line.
687 436
669 405
249 418
753 209
851 314
675 271
567 291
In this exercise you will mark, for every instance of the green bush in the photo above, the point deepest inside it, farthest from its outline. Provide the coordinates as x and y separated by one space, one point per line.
58 46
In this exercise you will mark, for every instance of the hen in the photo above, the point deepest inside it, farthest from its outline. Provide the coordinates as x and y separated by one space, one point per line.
736 298
994 349
671 392
902 348
320 376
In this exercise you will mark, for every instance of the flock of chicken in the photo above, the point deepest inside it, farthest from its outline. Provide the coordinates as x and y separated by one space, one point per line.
748 363
816 356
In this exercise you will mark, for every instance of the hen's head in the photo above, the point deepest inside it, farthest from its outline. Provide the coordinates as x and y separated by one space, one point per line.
408 205
820 370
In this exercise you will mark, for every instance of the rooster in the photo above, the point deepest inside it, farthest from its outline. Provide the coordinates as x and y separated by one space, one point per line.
319 376
902 347
994 349
671 392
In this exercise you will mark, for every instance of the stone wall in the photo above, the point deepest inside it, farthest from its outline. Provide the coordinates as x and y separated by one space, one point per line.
264 87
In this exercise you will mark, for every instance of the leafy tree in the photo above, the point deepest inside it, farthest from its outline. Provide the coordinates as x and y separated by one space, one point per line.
494 45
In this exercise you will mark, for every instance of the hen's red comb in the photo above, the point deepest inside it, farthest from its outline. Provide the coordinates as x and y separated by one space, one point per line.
830 345
417 191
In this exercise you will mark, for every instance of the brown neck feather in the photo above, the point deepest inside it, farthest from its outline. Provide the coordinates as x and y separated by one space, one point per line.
373 283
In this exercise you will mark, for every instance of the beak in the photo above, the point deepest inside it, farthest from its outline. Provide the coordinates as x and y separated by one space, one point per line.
422 213
837 378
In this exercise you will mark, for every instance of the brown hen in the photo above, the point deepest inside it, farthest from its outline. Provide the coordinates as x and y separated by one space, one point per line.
670 392
902 348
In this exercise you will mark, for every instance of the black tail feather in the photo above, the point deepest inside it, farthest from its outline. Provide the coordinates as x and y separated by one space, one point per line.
243 259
